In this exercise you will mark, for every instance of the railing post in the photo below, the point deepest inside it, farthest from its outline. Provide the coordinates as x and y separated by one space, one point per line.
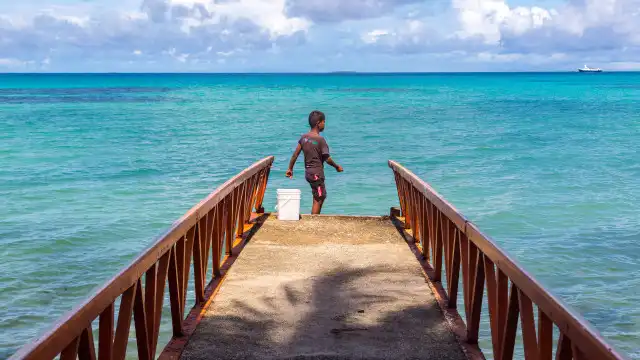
229 228
262 190
400 199
240 220
216 242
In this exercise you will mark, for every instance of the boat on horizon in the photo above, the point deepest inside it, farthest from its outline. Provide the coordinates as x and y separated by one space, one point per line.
588 69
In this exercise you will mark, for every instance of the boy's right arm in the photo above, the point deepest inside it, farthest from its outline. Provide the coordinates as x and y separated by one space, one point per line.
292 162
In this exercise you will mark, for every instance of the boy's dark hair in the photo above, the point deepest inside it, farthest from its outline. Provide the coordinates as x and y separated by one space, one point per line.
315 118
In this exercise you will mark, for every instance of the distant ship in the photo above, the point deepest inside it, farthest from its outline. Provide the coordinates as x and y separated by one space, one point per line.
588 69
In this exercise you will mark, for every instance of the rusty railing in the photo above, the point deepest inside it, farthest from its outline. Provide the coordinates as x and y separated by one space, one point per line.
217 223
440 231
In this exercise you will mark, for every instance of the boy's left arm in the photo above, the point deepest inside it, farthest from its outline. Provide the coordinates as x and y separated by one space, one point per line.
333 163
327 157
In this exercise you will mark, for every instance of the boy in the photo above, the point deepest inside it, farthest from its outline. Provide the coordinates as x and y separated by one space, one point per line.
316 152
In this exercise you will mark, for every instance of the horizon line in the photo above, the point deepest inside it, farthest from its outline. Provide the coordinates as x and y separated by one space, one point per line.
337 72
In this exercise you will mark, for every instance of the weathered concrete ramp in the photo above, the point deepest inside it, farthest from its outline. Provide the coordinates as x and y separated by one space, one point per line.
324 288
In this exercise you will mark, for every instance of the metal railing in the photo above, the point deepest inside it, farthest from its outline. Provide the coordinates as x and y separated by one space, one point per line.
217 223
442 233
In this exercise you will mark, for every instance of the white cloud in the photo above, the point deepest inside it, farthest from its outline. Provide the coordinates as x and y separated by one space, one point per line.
490 18
580 24
373 36
625 66
331 11
182 29
181 57
12 63
267 14
494 31
411 36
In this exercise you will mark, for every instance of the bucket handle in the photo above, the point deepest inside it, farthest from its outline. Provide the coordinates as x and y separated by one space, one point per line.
286 200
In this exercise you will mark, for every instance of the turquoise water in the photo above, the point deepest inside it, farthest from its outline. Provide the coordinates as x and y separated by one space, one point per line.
94 166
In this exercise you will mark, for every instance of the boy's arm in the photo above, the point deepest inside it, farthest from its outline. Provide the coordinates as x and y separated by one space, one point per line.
292 162
333 163
326 157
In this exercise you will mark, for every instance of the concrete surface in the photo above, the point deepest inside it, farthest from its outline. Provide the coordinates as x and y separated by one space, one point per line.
324 288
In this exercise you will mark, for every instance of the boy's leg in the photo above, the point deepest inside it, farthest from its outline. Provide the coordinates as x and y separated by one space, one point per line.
317 206
319 193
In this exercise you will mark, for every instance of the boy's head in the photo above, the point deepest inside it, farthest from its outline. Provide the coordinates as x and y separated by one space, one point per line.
316 120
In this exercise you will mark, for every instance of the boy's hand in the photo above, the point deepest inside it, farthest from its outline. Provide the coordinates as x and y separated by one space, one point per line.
339 169
289 174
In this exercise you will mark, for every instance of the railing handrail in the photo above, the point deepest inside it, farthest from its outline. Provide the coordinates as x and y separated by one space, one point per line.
570 322
72 323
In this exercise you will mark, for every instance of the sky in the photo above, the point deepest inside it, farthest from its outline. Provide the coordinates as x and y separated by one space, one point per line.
318 35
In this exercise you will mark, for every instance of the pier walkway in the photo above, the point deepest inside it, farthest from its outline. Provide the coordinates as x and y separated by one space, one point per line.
325 288
417 284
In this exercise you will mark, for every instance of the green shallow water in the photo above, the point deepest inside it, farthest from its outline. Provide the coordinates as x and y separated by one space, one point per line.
94 166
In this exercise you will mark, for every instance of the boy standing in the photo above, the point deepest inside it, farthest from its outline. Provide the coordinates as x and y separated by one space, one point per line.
316 152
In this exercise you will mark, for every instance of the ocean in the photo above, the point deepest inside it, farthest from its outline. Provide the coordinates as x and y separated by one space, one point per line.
93 167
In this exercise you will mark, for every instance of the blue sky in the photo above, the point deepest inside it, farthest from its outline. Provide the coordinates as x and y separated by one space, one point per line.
317 35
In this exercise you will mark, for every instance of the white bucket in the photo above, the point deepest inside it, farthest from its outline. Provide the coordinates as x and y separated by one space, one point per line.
288 206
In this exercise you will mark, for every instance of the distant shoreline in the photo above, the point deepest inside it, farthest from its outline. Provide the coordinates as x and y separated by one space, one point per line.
315 73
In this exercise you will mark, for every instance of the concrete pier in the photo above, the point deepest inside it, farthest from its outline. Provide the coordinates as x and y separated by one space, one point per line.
324 288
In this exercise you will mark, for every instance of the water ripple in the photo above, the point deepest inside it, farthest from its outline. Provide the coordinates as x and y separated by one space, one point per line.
546 164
